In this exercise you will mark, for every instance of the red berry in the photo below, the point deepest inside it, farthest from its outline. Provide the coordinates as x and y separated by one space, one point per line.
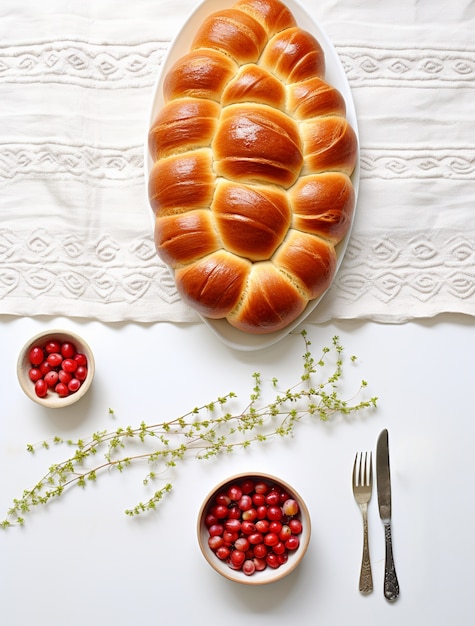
215 542
260 550
64 377
260 563
295 526
69 365
261 487
247 528
54 359
249 515
249 567
220 511
273 497
74 385
234 512
45 367
216 530
292 543
255 539
290 507
210 519
223 553
35 374
52 346
62 390
68 350
245 502
247 486
272 560
274 513
36 355
41 388
262 526
279 548
221 498
80 358
234 525
237 558
234 492
51 378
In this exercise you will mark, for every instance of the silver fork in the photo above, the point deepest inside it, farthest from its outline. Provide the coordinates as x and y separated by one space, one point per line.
362 489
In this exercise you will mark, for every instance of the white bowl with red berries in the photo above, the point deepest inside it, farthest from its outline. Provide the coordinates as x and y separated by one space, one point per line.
253 528
55 368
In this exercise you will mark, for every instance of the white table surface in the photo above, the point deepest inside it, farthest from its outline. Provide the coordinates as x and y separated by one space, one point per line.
82 561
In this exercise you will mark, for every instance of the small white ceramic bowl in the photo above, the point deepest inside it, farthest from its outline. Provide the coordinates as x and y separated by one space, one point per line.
269 574
52 400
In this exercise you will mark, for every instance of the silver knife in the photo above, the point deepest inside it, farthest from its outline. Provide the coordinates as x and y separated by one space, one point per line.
383 474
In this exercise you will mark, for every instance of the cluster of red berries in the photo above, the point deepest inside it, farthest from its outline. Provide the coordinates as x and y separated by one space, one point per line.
253 525
57 366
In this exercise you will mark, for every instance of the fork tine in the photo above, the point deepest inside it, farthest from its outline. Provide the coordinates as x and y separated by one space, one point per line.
370 468
354 469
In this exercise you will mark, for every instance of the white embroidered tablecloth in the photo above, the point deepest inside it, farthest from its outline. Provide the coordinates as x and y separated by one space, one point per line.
76 83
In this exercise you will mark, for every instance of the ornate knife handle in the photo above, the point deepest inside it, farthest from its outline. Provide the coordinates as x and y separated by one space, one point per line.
391 585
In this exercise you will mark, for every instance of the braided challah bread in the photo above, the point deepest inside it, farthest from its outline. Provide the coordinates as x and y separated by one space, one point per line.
252 157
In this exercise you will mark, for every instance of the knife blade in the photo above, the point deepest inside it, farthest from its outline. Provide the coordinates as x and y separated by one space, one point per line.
383 477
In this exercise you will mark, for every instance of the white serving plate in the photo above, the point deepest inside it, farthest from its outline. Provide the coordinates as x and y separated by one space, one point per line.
335 75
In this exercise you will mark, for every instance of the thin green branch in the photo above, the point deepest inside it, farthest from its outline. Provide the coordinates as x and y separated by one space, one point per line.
204 432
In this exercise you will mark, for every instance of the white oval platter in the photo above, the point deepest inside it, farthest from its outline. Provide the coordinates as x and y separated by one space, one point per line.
335 75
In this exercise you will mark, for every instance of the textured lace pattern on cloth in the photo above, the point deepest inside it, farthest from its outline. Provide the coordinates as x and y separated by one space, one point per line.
76 232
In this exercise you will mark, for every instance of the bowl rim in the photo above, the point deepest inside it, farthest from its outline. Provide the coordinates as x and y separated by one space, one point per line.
234 575
23 365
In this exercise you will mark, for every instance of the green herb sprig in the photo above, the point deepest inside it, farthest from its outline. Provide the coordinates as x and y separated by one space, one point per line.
204 432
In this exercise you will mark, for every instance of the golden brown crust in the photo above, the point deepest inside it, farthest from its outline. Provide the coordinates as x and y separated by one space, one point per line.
252 157
236 33
182 182
199 74
308 260
329 144
251 220
256 143
314 97
214 284
274 16
253 83
183 125
259 310
322 204
294 55
185 237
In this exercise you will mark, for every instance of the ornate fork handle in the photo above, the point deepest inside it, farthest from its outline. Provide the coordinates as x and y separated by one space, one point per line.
366 576
391 584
